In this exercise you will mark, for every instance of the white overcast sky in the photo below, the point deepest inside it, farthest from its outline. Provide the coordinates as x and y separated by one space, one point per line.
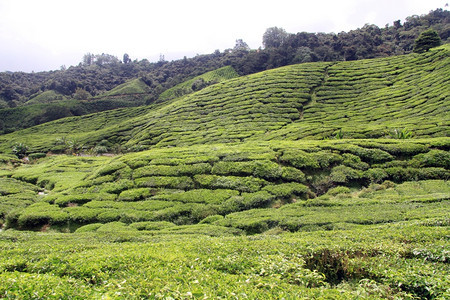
46 34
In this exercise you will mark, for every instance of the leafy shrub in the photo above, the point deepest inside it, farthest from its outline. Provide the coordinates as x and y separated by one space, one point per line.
254 226
368 155
401 134
89 228
332 263
266 169
287 190
243 184
353 161
375 175
182 182
135 215
12 186
202 229
115 227
20 150
110 168
292 174
134 194
151 225
74 198
301 159
238 168
200 196
338 190
256 200
100 149
81 214
211 219
6 159
109 216
115 187
344 174
292 269
101 179
402 148
41 213
434 158
397 174
178 214
164 170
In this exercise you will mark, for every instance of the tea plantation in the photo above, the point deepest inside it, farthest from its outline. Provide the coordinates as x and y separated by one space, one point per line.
318 180
360 99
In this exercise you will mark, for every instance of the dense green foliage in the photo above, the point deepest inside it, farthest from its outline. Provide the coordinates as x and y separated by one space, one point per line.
402 260
341 219
198 83
186 185
318 180
12 119
100 73
396 97
427 40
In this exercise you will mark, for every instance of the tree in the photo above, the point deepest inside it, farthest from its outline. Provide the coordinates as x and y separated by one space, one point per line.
88 59
105 59
81 94
126 58
427 40
303 54
274 37
241 45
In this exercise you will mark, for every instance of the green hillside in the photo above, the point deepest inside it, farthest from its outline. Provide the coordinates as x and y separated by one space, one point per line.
198 83
339 219
316 180
13 119
45 97
363 99
133 90
187 185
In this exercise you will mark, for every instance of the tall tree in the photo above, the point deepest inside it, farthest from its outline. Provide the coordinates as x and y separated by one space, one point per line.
427 40
274 37
126 58
241 45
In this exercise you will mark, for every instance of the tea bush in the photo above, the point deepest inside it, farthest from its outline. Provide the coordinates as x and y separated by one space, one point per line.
286 190
39 214
134 194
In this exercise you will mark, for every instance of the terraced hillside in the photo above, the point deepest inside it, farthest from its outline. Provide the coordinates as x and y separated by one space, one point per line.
198 83
340 219
362 99
205 183
325 181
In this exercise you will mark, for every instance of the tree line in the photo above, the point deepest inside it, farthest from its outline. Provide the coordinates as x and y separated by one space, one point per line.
99 73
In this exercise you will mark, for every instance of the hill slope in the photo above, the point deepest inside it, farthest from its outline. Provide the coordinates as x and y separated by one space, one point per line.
362 99
270 212
198 83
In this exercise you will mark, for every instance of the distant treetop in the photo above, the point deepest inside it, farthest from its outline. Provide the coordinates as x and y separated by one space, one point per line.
427 40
